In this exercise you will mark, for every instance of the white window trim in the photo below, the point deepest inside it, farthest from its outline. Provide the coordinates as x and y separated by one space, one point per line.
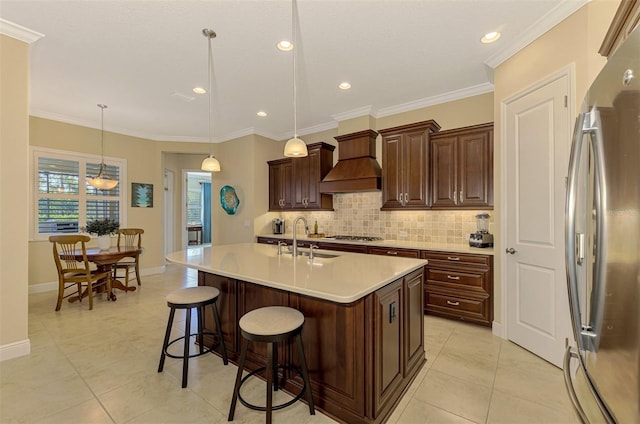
36 152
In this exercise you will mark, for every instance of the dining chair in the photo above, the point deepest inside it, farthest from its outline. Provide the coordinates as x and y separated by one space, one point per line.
70 255
129 237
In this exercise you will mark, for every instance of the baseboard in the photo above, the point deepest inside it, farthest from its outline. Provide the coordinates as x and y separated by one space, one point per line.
496 329
15 350
53 285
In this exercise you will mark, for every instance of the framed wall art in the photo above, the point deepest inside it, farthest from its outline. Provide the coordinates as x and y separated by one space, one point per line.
141 195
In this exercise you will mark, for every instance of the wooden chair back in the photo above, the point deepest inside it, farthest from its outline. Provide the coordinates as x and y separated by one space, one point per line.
130 237
64 253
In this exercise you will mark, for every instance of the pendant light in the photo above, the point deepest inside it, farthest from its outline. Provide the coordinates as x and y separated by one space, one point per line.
102 182
210 163
295 147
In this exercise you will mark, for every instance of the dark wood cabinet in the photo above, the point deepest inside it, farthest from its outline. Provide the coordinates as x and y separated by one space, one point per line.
361 356
405 165
393 251
294 182
459 286
280 184
462 168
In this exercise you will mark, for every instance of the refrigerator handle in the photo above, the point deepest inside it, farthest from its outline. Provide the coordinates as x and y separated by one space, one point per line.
568 382
570 227
587 123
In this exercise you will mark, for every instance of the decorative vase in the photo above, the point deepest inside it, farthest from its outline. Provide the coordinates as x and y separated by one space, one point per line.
104 242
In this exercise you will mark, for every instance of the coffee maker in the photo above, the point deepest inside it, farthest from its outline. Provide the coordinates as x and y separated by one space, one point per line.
482 237
278 226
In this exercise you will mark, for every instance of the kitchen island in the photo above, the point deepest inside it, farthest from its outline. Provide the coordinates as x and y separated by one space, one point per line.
363 333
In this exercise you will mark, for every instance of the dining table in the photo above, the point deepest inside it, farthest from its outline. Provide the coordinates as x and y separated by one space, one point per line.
104 260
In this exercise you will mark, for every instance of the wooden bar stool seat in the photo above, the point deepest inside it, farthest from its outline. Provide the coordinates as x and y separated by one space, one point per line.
189 298
271 325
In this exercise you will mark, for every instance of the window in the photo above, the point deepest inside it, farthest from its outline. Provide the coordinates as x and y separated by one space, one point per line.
63 201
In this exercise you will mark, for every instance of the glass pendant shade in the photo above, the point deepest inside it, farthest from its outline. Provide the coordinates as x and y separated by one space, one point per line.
210 164
295 147
102 182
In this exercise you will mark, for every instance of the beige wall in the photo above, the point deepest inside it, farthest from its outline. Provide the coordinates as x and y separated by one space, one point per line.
14 191
576 41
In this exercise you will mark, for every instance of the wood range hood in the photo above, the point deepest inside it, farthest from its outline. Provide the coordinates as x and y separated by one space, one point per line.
357 168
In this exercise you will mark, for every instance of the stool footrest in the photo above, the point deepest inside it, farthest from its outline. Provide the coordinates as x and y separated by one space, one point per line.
206 349
274 407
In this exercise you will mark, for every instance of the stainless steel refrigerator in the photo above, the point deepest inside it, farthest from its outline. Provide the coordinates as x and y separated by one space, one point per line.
602 364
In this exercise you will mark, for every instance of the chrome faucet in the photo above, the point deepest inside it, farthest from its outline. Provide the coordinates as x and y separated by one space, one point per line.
295 239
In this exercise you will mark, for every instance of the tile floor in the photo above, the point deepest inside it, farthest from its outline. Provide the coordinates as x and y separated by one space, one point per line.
100 366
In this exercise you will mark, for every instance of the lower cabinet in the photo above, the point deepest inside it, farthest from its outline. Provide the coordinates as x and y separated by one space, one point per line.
459 286
361 356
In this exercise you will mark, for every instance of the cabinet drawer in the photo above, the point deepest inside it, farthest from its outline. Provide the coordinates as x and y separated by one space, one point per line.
453 258
474 282
385 251
451 306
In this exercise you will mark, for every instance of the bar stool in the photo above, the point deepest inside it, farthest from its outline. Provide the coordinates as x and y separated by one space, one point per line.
189 298
271 325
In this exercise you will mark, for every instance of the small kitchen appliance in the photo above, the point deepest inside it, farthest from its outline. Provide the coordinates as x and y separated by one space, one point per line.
278 226
482 237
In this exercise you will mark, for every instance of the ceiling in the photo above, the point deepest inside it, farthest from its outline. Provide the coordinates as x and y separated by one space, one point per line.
142 59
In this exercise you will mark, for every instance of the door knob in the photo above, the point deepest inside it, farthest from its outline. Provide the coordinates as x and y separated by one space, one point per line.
511 250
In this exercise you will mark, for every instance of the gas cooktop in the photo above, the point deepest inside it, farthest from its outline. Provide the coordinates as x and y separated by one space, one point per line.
354 238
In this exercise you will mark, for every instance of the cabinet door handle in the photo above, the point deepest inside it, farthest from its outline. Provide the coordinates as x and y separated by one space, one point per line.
453 258
455 197
392 312
391 252
461 198
451 277
452 303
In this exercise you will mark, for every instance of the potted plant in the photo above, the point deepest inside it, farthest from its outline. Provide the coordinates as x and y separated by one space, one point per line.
103 228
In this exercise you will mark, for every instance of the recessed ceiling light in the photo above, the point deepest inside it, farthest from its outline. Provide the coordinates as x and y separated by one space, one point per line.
344 85
490 37
262 113
285 46
199 90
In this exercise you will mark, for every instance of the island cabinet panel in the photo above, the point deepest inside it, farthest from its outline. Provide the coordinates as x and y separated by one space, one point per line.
414 322
334 340
459 286
388 342
361 356
226 308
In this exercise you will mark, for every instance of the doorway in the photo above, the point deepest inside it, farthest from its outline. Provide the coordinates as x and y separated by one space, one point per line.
537 135
197 208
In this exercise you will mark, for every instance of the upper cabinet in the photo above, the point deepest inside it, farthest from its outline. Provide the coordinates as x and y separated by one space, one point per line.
405 166
462 168
624 22
294 182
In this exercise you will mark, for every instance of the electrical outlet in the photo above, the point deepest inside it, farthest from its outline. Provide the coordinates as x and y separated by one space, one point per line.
402 233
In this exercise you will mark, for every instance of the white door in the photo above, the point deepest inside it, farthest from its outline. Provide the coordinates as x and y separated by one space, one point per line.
537 143
168 211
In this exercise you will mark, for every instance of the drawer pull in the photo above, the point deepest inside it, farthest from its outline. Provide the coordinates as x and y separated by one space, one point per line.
391 252
451 277
452 303
453 258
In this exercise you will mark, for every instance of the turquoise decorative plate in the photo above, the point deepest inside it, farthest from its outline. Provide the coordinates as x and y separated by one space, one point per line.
229 200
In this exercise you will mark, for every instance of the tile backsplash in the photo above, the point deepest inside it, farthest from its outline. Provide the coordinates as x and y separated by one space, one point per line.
360 214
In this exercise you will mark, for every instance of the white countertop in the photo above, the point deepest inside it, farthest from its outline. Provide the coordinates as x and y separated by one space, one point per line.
404 244
343 279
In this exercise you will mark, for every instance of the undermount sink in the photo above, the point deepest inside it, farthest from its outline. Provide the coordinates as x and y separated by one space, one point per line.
320 255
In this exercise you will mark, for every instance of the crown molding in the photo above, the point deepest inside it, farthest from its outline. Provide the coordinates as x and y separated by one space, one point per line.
435 100
552 18
19 32
355 113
